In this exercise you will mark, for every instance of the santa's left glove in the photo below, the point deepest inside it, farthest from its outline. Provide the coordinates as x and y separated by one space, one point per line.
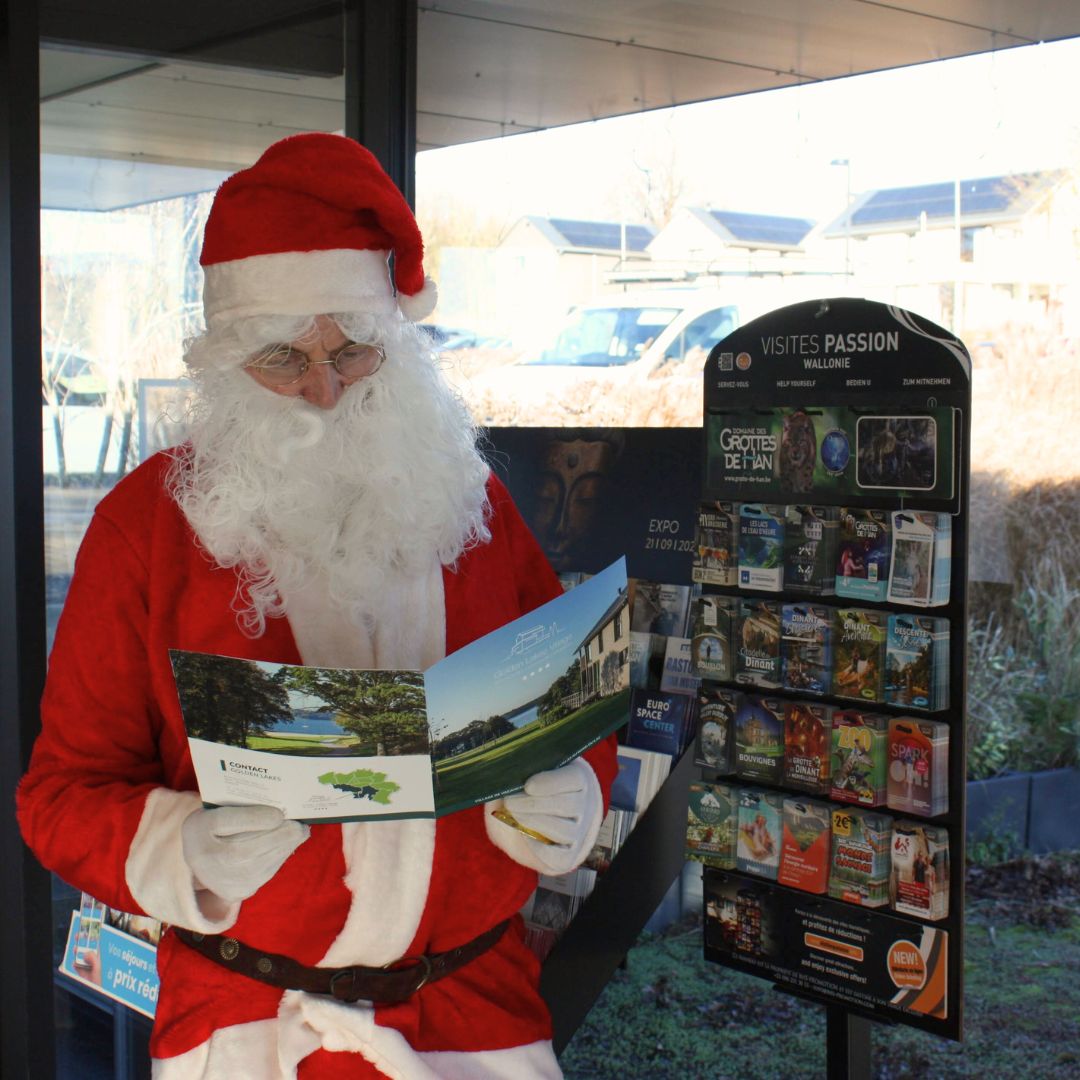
564 805
234 850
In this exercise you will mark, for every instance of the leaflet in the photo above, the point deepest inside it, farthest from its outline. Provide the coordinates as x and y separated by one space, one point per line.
341 744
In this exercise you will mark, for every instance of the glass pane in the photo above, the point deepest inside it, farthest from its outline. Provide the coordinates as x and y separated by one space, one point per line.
135 137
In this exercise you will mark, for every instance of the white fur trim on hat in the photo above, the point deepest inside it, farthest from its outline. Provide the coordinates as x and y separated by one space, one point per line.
298 283
421 304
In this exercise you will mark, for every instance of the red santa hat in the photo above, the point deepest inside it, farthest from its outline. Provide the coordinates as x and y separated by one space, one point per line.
307 230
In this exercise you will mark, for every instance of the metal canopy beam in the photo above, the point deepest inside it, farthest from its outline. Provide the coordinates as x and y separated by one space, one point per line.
380 84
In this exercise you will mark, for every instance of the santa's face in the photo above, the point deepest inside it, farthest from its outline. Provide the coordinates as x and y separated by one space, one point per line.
356 483
319 366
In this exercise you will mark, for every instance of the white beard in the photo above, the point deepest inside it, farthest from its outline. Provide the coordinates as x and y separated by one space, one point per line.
361 497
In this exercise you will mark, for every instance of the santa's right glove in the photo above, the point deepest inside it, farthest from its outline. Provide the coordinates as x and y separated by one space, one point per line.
234 850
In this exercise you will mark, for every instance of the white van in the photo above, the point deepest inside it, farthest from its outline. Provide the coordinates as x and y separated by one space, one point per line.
608 361
638 332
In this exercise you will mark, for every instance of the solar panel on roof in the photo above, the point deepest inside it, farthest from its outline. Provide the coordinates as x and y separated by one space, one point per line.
603 234
988 195
764 228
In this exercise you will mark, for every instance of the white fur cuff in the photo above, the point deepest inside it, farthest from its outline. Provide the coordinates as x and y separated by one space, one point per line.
158 875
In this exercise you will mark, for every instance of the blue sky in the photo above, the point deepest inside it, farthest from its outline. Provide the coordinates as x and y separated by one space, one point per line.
484 678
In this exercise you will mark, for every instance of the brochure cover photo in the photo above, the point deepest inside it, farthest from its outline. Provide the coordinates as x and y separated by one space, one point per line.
338 744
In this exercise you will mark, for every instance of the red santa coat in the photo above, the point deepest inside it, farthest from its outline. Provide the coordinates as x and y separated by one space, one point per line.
111 781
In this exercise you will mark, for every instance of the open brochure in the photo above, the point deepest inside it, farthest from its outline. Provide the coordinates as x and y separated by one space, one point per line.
338 744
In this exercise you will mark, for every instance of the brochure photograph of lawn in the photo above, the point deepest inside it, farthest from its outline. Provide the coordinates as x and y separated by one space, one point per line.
531 696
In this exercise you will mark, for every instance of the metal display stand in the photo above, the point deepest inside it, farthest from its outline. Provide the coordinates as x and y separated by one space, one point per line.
865 361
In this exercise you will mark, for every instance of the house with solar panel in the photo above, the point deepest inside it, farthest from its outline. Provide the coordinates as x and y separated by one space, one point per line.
969 252
715 242
544 265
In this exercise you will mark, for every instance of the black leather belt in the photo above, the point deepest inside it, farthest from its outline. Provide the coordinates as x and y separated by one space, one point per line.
383 986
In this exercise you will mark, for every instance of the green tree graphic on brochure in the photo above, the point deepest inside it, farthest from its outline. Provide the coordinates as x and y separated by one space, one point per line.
362 784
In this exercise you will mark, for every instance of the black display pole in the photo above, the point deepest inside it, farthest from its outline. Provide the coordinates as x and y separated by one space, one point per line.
847 1045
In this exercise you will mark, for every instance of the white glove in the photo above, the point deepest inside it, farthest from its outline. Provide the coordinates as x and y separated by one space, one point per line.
565 805
234 850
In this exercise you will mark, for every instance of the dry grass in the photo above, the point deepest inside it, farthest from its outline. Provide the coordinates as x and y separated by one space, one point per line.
665 398
1026 404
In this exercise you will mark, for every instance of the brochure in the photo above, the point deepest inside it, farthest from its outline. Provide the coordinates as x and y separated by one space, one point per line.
337 744
114 954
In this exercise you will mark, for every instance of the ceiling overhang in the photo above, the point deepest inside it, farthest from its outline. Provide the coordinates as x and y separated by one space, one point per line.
209 91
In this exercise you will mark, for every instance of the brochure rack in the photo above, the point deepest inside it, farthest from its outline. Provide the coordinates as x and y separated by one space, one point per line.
855 404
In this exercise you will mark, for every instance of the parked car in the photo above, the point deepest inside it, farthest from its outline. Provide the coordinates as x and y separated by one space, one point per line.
74 379
616 340
639 331
599 364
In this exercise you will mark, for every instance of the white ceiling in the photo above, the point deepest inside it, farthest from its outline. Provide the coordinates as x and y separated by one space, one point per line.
491 68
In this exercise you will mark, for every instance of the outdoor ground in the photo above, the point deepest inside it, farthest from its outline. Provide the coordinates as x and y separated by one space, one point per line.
671 1015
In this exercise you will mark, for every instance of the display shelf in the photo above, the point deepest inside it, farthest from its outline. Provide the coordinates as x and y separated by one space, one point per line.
601 934
769 414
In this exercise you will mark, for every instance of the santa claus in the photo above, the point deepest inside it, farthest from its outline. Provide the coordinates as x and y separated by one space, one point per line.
330 509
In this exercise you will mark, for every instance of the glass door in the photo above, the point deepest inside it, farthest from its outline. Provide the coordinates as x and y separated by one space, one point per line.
142 117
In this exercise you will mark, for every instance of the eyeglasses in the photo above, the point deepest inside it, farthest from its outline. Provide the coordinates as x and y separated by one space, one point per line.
282 365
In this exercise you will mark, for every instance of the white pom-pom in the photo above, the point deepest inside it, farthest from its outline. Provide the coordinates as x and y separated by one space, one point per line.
421 304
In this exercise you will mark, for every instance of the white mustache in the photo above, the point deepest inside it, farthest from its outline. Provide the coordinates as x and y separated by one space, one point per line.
312 428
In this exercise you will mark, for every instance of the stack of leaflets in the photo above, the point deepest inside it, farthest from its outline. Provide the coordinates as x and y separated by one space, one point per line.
614 830
761 546
859 654
860 857
810 549
859 764
641 772
805 848
711 820
758 847
712 621
717 710
806 647
807 746
656 608
678 676
917 662
716 544
862 561
550 909
919 884
921 558
660 721
646 659
918 766
757 644
759 739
